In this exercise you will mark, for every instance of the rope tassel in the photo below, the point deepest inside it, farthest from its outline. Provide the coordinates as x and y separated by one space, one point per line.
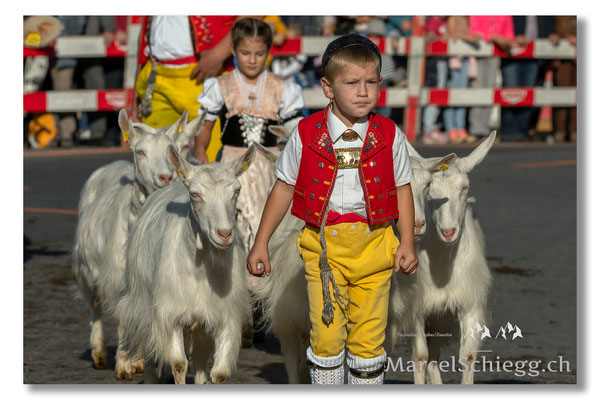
326 277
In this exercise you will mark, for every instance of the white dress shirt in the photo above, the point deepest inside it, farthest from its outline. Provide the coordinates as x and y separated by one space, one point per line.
347 195
170 37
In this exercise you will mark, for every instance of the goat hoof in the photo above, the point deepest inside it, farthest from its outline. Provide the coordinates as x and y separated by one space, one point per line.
123 375
99 358
219 378
137 367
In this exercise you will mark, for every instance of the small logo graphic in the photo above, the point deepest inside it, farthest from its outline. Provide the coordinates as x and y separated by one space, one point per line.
485 332
507 329
116 99
504 331
513 95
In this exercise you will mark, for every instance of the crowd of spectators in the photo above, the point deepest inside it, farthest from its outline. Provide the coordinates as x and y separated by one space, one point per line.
447 125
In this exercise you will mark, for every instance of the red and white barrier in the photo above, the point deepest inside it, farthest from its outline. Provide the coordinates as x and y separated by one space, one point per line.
78 47
107 100
77 100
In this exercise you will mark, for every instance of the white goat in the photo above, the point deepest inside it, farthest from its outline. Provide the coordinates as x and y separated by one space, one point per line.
185 274
284 290
110 201
453 279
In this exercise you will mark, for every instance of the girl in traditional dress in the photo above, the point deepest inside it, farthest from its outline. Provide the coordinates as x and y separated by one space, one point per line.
249 99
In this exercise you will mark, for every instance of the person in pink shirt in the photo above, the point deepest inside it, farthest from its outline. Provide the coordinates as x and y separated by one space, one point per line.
497 29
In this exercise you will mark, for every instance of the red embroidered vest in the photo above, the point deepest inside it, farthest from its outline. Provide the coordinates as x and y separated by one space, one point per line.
207 31
318 170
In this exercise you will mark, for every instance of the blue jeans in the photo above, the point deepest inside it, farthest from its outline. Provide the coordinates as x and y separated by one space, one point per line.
515 121
456 117
431 112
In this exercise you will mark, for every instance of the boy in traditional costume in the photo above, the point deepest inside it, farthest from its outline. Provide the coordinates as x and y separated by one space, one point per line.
348 173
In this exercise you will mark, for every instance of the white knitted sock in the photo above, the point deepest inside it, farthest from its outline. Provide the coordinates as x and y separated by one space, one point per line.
325 370
366 371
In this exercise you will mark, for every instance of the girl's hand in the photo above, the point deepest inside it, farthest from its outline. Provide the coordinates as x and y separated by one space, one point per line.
200 155
406 259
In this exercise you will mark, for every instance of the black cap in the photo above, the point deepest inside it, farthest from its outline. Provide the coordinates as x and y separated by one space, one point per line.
346 41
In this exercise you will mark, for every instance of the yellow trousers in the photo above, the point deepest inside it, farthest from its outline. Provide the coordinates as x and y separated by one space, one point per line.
362 259
175 92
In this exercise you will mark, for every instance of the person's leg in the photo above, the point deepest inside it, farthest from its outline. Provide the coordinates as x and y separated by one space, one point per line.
430 114
369 277
460 113
325 355
486 78
511 70
62 79
573 110
442 72
449 113
562 78
529 75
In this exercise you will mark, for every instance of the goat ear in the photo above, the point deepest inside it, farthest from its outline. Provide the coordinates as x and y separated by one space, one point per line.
126 127
438 163
442 163
472 160
411 150
178 126
241 164
280 130
267 153
178 163
193 128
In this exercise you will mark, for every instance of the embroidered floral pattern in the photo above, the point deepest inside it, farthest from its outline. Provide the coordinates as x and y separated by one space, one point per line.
324 140
253 129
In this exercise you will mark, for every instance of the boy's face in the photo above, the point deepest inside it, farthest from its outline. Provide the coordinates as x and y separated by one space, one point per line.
354 91
251 54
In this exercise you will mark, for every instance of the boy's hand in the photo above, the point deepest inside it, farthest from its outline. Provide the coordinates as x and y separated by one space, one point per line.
406 259
259 254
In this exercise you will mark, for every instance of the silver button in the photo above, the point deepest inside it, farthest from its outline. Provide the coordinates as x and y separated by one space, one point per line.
368 230
333 233
376 179
353 227
315 181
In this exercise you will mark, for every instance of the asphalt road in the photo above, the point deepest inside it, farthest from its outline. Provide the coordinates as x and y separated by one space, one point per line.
527 207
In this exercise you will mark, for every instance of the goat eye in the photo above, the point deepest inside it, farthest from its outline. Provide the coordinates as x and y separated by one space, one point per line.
195 196
140 153
236 194
464 189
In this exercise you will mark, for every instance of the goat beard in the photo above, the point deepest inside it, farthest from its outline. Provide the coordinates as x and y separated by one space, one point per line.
198 241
